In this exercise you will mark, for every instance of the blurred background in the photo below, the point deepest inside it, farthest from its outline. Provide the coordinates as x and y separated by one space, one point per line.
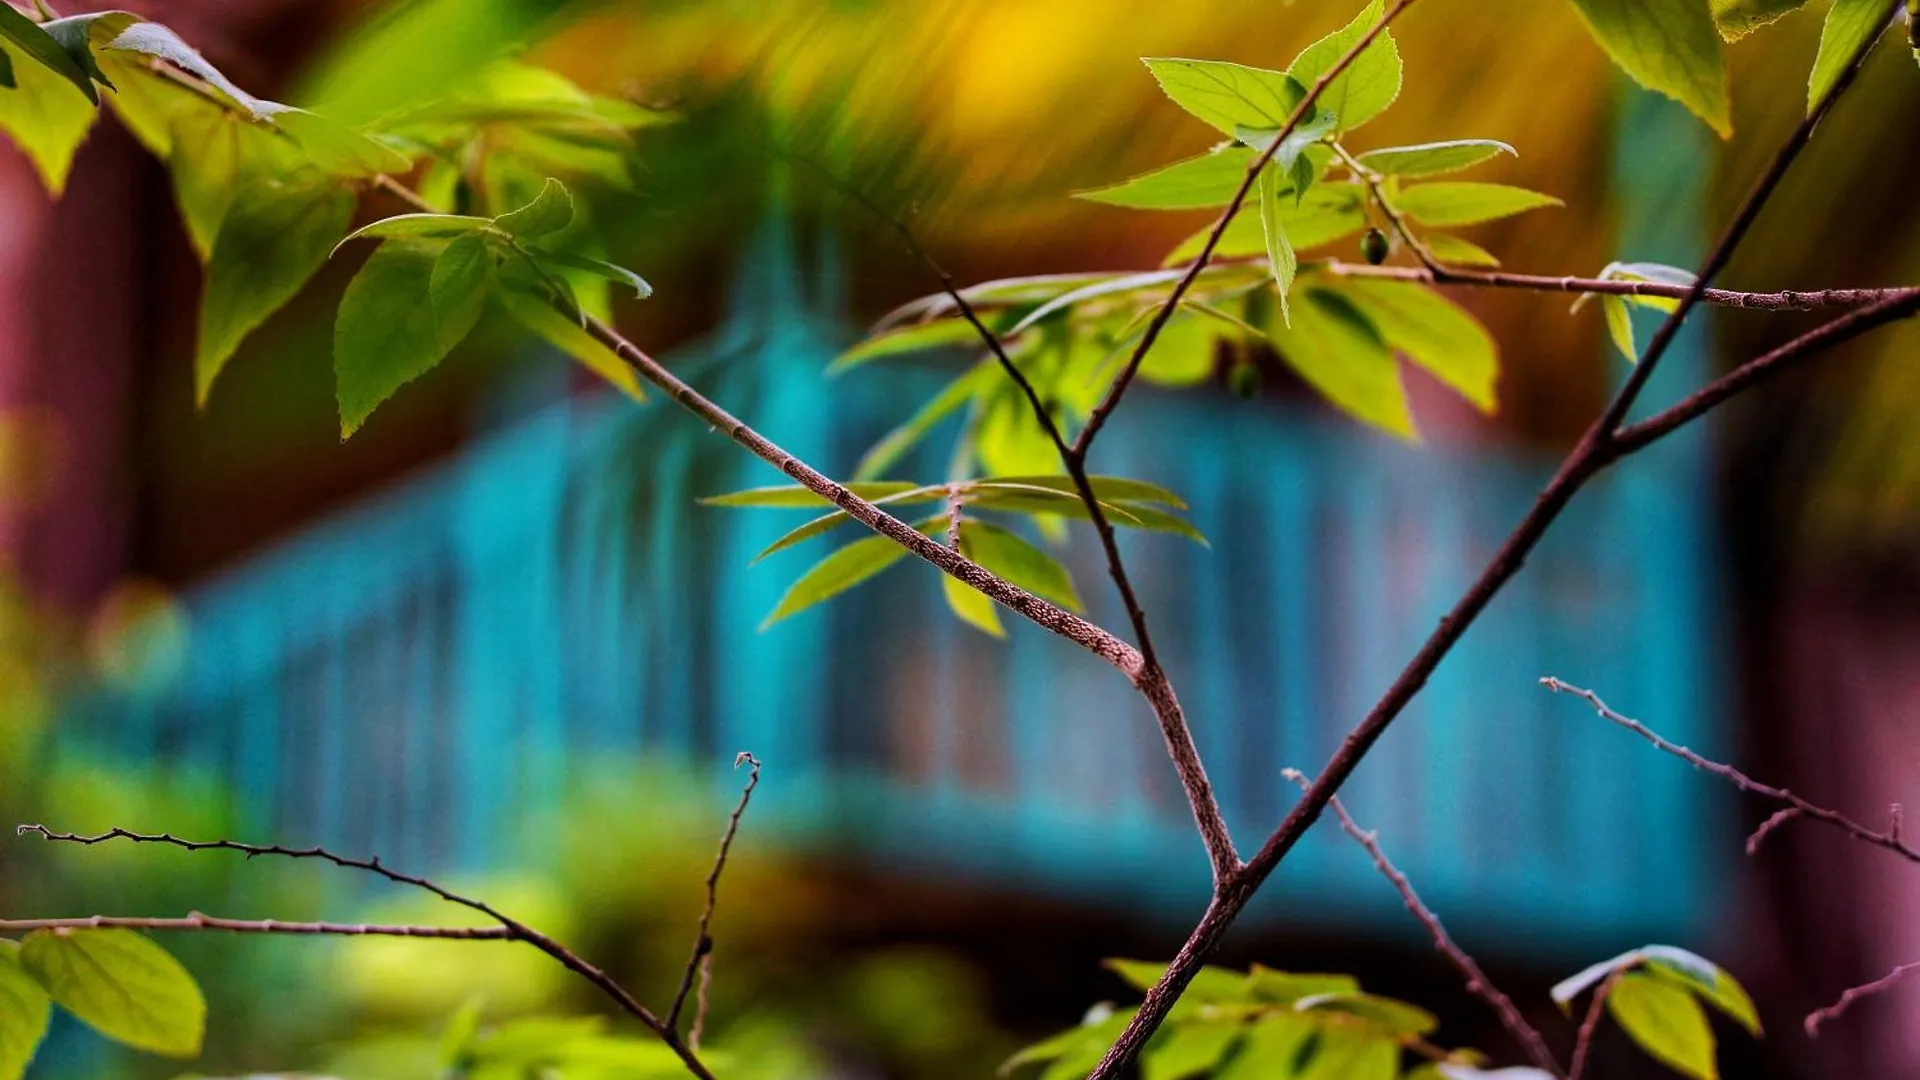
494 638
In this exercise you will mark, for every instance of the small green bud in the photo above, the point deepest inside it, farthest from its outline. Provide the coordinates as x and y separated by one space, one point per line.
1374 246
1243 379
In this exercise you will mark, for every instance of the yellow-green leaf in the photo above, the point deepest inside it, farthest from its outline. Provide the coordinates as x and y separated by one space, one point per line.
1706 979
1342 355
1269 1050
1666 1021
386 333
123 986
1457 252
1672 46
549 212
970 605
1327 212
1368 85
1433 332
1193 184
564 333
1182 1051
1620 327
1850 24
24 1012
1280 257
842 570
1010 556
1228 96
28 40
43 114
1434 159
1738 18
1460 202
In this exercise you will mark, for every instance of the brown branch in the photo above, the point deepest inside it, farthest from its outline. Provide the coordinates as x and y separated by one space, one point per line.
510 928
1583 1042
1889 840
1124 378
1855 993
1759 835
703 940
1478 984
1595 451
1432 266
1787 300
196 921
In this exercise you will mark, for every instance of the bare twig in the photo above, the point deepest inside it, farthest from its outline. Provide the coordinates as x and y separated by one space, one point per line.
1888 840
196 921
1594 452
1853 994
1759 835
511 928
1583 1042
703 940
1478 984
1433 269
1786 300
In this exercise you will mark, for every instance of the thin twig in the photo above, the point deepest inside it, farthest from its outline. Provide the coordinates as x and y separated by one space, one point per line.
1759 835
1887 840
512 928
703 939
1855 993
1583 1042
1594 452
1786 300
1433 268
1478 984
197 921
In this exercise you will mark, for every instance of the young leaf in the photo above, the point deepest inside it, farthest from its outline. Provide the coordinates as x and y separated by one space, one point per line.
1197 183
1850 24
1188 1050
24 1012
1108 489
205 166
828 522
123 986
154 40
271 242
1183 353
1392 1018
795 497
1671 46
1368 85
458 287
1738 18
35 44
600 268
1620 327
1457 252
1210 984
1339 351
77 36
1666 1022
1009 555
1434 159
1228 96
1280 257
1076 1049
1270 1049
335 147
1349 1053
386 333
1455 202
538 315
1707 981
844 569
886 453
549 212
1433 332
1564 991
1287 987
43 114
1327 213
917 337
1104 287
417 226
970 605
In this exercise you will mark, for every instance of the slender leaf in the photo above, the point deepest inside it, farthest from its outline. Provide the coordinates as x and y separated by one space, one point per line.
1228 96
1434 159
886 453
1457 252
1666 1021
35 44
970 605
1850 24
795 497
1193 184
939 333
1280 257
842 570
1368 85
274 239
123 986
1117 489
1620 327
417 226
1210 984
1672 46
619 275
1106 287
1433 332
1455 202
24 1012
549 212
1010 556
827 522
537 314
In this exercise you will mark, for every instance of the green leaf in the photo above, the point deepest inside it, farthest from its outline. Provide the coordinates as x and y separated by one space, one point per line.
1271 1047
335 147
34 43
24 1012
1707 981
418 226
154 40
1187 1050
205 165
1572 986
1108 489
1194 184
1342 354
918 337
1228 96
886 453
1738 18
844 569
1348 1053
1456 202
828 522
1434 333
619 275
1286 987
275 237
1210 984
123 986
1119 283
78 34
549 212
458 287
1010 556
970 605
1672 46
386 333
1620 327
1434 159
1077 1047
6 71
43 114
795 497
1666 1021
1368 85
1280 257
1850 24
1457 252
1183 353
1390 1017
1327 213
535 313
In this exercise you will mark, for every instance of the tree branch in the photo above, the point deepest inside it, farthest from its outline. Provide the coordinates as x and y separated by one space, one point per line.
703 940
510 928
1583 1042
1591 455
1787 300
1855 993
196 921
1889 839
1478 984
